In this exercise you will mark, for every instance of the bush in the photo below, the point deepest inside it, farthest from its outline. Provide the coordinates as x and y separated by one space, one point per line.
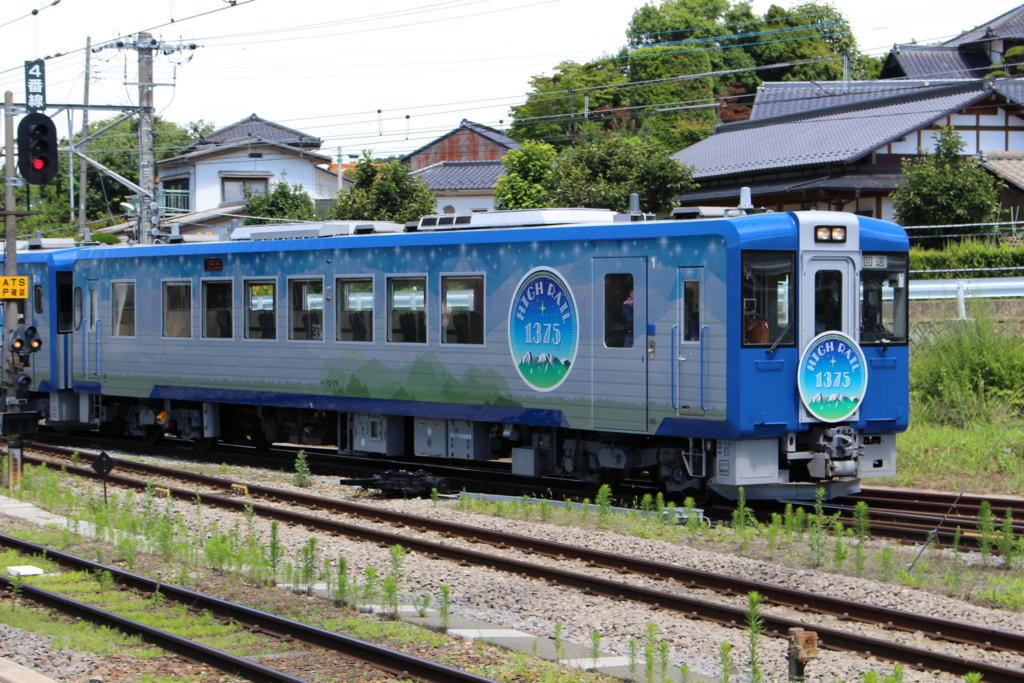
966 255
970 373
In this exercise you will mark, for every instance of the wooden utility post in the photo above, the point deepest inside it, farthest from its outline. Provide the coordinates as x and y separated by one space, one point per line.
13 474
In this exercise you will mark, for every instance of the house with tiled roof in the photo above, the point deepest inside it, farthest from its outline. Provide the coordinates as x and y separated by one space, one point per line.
462 166
204 188
969 55
462 186
840 145
468 142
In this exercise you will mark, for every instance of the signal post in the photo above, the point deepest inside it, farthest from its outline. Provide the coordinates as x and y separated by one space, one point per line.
38 163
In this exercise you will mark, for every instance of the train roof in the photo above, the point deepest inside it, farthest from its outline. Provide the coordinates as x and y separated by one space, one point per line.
770 231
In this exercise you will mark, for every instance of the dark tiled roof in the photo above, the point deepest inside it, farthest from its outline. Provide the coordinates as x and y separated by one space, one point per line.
798 97
486 131
461 175
885 182
935 61
1007 165
837 134
195 153
255 128
1007 25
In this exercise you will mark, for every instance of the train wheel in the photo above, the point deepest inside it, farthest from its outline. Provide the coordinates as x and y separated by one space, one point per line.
204 445
154 434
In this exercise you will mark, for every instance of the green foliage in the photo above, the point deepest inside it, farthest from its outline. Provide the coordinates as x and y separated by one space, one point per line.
944 187
970 373
755 629
602 173
966 255
301 475
1012 64
282 201
118 150
668 44
527 173
554 109
383 192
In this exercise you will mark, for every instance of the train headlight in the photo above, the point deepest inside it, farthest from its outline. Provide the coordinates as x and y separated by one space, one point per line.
830 233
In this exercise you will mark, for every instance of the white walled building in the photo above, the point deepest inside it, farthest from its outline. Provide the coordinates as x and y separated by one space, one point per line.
204 188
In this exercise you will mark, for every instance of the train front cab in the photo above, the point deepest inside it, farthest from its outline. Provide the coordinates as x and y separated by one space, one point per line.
848 275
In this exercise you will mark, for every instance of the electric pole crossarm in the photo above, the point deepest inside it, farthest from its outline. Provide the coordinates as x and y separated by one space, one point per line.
103 130
100 107
113 174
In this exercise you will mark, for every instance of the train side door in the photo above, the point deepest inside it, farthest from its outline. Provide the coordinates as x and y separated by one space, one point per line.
64 319
619 333
690 365
90 329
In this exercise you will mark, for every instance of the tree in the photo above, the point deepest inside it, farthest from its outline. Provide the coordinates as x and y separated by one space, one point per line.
649 85
946 187
383 192
603 173
116 149
283 201
527 173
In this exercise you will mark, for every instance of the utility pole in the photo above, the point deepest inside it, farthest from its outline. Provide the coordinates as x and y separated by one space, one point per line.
86 237
147 162
10 269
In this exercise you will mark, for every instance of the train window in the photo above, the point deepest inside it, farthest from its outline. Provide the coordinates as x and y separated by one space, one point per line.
883 299
77 296
122 301
691 310
217 317
177 297
306 313
37 299
355 310
65 303
768 298
828 301
618 310
407 309
260 309
462 319
93 308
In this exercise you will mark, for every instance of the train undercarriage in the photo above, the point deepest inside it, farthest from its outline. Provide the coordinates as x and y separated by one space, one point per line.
833 457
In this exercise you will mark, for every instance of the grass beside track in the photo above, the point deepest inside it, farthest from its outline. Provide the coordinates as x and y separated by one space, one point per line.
980 458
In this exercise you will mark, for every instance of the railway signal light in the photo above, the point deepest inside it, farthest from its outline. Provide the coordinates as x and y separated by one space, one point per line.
25 340
37 148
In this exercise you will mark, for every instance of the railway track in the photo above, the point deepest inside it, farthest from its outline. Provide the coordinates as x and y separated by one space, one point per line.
983 637
386 659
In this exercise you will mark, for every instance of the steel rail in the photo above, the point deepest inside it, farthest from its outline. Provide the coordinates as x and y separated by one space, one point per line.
190 649
393 661
940 502
730 616
779 595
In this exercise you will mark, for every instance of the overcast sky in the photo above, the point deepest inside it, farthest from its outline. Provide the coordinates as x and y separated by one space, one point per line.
326 67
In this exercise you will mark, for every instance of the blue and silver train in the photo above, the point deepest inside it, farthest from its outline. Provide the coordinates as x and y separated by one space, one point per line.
764 351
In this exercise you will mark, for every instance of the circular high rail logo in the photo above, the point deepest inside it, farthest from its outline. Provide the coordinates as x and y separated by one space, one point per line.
543 330
833 377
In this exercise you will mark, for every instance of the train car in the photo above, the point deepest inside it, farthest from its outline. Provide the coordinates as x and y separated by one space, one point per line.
764 351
